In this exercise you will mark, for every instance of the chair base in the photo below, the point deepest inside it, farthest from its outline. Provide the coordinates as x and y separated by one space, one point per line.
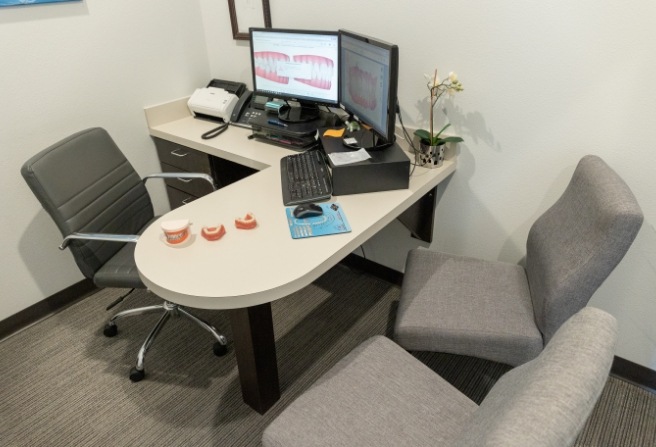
167 310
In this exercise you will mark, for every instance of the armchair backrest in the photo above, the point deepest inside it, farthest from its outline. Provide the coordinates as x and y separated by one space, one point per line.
546 402
576 244
87 185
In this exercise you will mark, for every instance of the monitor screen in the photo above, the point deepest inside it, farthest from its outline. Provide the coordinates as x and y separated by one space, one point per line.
296 65
368 81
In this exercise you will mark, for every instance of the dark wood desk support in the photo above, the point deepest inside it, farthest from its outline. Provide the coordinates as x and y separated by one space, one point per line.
255 350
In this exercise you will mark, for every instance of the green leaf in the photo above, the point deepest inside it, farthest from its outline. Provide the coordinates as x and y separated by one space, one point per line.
423 134
452 139
435 140
442 130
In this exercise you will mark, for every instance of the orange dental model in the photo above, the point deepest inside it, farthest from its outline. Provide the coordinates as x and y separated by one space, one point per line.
247 223
213 233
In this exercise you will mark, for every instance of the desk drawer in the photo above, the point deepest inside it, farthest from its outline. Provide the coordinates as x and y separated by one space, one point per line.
196 187
178 198
182 157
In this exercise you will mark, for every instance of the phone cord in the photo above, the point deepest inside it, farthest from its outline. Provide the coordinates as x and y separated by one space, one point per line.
214 132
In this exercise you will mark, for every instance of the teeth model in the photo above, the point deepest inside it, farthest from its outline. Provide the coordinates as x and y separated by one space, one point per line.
362 87
321 69
266 64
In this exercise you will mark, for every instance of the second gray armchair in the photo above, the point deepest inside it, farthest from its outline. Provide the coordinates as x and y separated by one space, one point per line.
506 312
379 395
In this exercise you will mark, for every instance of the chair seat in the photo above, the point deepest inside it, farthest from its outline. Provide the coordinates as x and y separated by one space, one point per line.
121 269
378 395
484 308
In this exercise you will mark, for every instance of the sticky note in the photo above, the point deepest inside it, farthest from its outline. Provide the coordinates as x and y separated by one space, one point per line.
333 133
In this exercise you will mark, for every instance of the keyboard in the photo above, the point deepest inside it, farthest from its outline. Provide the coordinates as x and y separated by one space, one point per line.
305 178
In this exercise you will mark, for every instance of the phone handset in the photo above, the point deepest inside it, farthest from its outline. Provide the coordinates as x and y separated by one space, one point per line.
242 105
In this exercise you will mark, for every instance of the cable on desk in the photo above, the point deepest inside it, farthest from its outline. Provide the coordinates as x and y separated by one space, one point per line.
408 139
215 132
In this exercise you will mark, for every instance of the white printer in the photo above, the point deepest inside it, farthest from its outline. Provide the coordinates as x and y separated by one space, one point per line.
212 101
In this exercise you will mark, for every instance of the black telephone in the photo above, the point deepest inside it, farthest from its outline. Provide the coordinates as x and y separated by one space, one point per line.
247 106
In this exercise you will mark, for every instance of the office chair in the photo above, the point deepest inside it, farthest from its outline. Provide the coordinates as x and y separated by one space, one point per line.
100 205
505 312
380 395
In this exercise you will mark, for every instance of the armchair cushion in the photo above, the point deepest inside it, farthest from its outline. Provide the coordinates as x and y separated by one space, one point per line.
378 395
483 307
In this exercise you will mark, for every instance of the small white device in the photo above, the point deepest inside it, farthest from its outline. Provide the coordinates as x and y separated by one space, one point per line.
212 101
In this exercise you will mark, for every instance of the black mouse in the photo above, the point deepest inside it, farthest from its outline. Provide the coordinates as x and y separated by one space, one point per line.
307 210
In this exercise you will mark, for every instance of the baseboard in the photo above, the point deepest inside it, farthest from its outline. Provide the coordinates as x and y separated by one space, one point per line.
373 268
636 374
45 307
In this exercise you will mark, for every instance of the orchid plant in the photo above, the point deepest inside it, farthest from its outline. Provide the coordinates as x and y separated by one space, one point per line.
437 88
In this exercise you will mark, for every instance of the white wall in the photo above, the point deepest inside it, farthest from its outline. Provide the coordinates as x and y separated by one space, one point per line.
66 67
545 83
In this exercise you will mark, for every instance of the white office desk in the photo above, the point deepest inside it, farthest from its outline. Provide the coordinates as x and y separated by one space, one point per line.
248 269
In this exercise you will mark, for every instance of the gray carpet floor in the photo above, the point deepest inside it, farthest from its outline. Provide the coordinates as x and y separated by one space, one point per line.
65 384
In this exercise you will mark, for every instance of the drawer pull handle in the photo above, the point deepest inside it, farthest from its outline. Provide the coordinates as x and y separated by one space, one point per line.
184 180
187 200
179 154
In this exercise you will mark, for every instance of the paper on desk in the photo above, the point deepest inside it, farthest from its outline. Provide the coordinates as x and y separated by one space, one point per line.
345 158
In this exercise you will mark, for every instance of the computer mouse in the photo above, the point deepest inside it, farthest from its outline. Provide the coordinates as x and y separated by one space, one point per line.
307 210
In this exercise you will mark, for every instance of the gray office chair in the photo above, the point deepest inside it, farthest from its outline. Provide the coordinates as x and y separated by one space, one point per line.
380 395
505 312
100 205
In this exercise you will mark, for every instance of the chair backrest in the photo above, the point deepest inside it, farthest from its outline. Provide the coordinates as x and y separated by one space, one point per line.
546 401
87 185
576 244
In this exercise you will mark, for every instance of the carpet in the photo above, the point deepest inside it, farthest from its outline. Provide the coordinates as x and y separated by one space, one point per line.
65 384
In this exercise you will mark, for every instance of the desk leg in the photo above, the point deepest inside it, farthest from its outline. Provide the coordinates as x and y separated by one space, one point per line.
255 350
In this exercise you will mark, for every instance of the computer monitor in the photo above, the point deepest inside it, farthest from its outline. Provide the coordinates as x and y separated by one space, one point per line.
296 65
369 72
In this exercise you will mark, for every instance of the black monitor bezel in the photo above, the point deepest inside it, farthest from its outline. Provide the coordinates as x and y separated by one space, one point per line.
388 133
288 97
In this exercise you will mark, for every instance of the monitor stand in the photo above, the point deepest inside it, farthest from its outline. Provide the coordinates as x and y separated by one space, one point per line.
364 139
298 114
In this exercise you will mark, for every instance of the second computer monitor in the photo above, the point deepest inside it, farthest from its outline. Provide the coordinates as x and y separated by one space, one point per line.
368 83
296 65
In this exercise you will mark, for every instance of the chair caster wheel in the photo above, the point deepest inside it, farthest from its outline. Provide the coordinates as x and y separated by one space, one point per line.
219 349
110 330
136 375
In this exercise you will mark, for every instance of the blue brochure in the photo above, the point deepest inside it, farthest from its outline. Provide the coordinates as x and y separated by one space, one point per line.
332 221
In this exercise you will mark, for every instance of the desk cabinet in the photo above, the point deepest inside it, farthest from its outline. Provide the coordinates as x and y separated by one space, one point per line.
174 157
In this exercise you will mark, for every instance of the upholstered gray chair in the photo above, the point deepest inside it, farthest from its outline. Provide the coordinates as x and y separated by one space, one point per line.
100 205
380 395
506 312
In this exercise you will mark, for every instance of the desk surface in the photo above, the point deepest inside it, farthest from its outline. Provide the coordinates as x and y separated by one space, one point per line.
250 267
247 269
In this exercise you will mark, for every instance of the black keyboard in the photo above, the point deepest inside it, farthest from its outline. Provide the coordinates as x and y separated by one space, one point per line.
305 178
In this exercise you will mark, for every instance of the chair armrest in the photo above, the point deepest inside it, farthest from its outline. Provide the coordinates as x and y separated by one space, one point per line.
99 237
183 175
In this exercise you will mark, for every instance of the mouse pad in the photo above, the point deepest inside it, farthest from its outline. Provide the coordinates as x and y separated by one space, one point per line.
332 221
